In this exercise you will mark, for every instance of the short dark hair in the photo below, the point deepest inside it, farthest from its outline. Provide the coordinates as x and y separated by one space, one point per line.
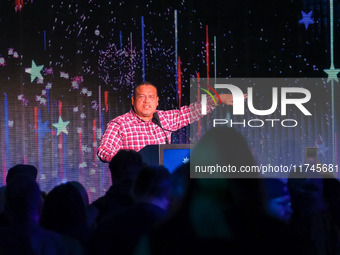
125 165
144 83
21 169
63 208
152 181
22 196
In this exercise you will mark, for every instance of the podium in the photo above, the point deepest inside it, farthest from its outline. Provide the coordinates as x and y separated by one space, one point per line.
169 155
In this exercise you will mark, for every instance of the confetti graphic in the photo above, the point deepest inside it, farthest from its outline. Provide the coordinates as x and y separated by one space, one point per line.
67 69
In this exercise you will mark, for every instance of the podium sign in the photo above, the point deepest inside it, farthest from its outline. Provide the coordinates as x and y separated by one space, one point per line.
169 155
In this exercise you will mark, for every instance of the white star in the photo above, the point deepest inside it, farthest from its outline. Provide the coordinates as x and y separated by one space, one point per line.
185 160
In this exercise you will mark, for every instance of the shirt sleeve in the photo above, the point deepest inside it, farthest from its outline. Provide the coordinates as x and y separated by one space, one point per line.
111 142
187 114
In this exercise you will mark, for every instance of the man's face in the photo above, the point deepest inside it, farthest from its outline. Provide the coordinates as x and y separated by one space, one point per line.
145 101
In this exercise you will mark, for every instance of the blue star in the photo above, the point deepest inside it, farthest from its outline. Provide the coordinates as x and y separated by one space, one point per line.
43 128
306 19
332 74
35 71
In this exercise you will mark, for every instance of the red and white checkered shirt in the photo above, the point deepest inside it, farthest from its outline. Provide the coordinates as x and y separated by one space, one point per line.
129 131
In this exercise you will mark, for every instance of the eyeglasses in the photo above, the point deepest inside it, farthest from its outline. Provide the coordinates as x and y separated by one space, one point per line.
143 97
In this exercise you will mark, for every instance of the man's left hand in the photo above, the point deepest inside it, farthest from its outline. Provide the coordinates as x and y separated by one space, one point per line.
228 98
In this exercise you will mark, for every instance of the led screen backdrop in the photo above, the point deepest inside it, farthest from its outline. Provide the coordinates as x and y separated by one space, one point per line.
68 67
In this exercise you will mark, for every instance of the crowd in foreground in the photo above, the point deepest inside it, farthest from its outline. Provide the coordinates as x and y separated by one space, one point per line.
147 210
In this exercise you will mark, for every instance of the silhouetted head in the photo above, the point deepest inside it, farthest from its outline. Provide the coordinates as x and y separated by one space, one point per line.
152 182
125 165
222 146
22 169
180 179
64 209
225 147
23 198
332 191
82 192
306 189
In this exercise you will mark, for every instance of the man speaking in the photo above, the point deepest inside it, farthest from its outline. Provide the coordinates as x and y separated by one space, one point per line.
144 125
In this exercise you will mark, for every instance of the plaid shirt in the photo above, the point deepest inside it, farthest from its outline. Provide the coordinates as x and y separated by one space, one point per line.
129 131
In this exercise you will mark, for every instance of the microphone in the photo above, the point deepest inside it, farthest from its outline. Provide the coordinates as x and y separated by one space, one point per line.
156 121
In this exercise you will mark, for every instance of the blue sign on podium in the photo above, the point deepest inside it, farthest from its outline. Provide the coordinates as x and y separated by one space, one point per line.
169 155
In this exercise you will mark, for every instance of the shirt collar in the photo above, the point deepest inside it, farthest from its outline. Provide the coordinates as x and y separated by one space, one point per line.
135 116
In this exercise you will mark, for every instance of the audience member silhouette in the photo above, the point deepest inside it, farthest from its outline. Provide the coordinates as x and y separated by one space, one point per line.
179 186
316 214
19 169
120 234
64 212
24 235
277 199
220 215
331 193
149 211
91 211
124 168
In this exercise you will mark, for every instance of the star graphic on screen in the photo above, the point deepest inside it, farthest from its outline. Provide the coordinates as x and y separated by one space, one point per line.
43 128
323 149
306 19
332 74
61 126
35 71
185 160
